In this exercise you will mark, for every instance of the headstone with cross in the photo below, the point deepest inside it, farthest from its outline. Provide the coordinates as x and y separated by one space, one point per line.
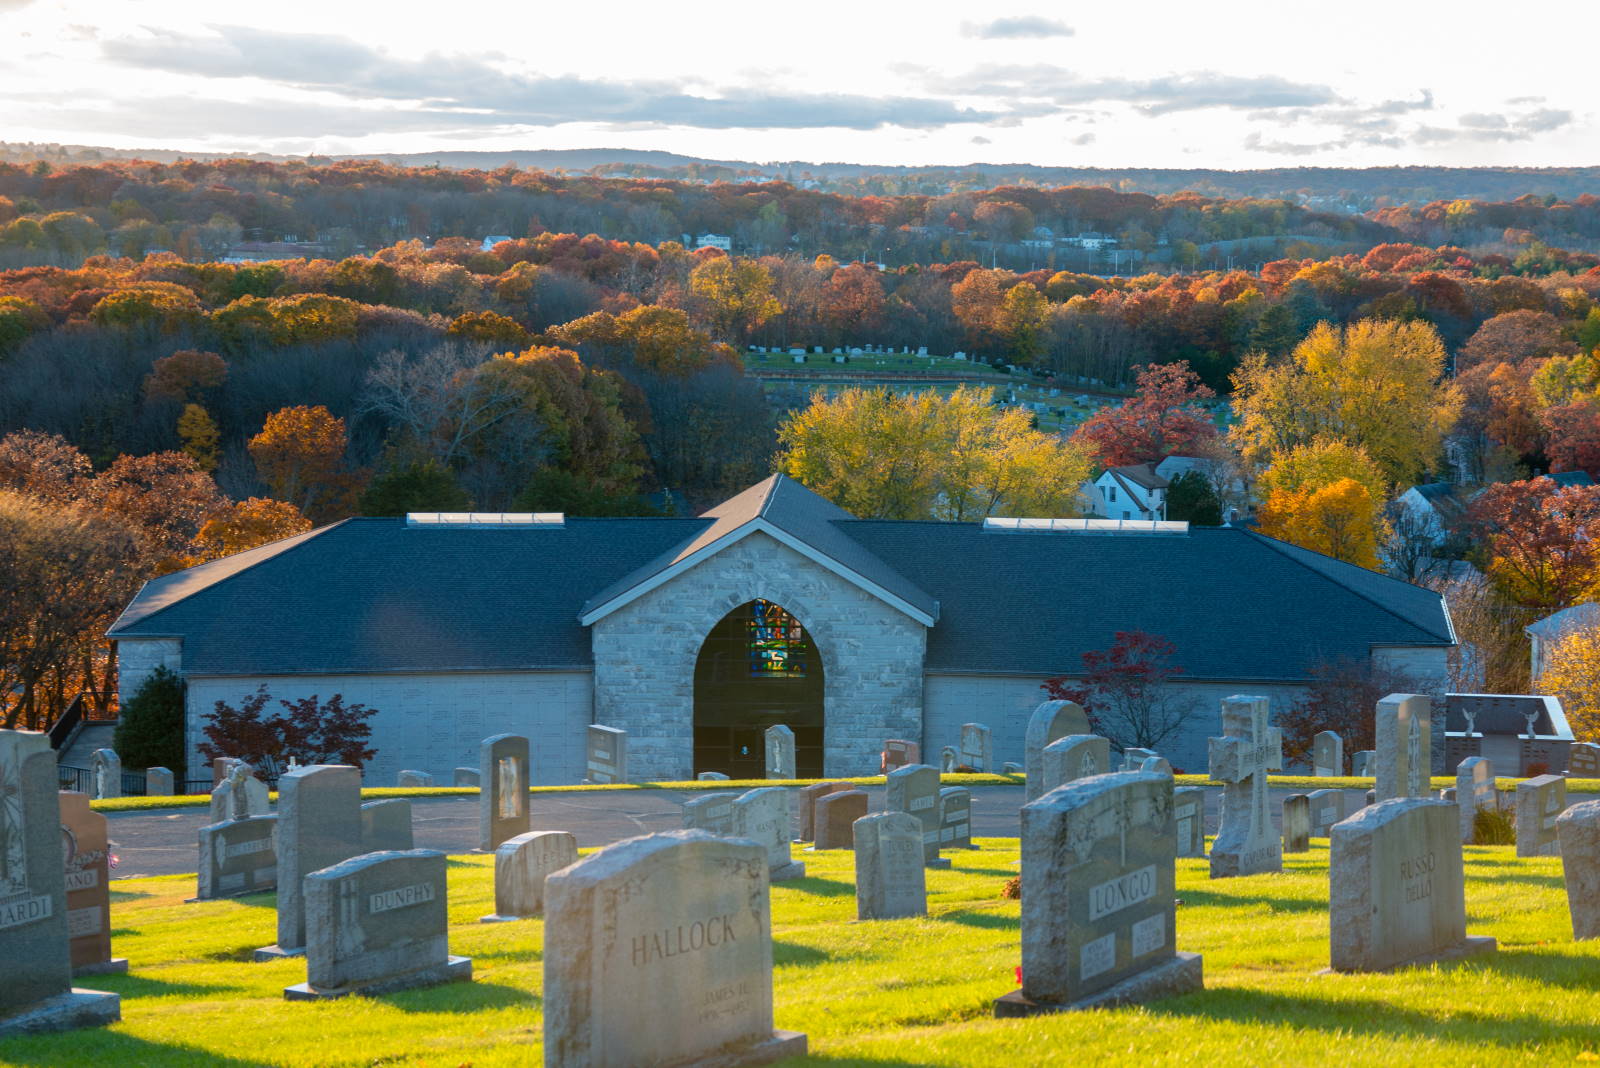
1404 728
1246 842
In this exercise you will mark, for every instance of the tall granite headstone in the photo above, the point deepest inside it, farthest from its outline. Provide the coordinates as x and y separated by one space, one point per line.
1396 889
1297 823
319 825
1327 755
238 857
36 991
607 760
955 818
1540 800
377 923
780 752
88 875
915 789
503 795
762 815
1579 830
1475 790
521 865
1189 820
712 813
658 950
836 814
1098 908
977 747
1404 727
1074 756
1246 842
1051 721
105 767
890 881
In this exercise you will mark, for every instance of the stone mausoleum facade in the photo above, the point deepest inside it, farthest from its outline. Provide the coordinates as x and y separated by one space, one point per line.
694 635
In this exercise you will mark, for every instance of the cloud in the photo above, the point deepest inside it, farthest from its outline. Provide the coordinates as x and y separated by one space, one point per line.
1192 91
1083 139
1019 27
981 140
1489 127
475 92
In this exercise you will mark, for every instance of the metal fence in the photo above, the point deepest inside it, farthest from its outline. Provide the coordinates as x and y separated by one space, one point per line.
78 779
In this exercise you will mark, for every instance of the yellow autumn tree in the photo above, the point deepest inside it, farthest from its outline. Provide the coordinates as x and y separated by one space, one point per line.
736 295
1572 673
1340 520
1321 463
247 524
200 437
300 456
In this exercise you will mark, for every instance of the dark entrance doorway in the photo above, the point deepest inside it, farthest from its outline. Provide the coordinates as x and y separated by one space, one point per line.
757 668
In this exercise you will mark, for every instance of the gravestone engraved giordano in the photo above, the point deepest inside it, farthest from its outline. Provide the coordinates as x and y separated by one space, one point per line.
1051 721
238 857
1475 790
1396 888
915 789
1073 756
521 865
1540 801
890 880
1246 842
780 752
1404 728
658 950
1579 829
607 759
1327 808
1098 908
36 991
319 825
88 874
503 793
1189 819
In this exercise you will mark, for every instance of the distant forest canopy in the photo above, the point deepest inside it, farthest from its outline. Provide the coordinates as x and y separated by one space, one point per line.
1357 187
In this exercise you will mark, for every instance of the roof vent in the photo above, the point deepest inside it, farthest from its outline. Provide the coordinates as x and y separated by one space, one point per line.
1006 525
488 520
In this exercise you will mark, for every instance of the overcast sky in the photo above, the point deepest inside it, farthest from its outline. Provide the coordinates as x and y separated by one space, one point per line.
1125 84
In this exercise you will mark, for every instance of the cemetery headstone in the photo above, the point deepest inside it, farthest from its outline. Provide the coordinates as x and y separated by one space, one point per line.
1404 726
658 950
1327 808
465 777
1189 820
915 789
219 769
386 826
947 759
1583 760
105 767
1448 794
88 874
1050 722
238 857
1133 759
1372 797
1327 755
1098 908
1396 890
413 780
711 776
809 796
503 793
1579 830
890 880
521 865
711 812
762 815
977 747
1010 768
1246 842
897 753
378 923
780 752
240 795
319 825
1475 789
1076 756
158 782
836 815
37 992
1157 765
1362 764
1540 800
608 754
1297 823
955 818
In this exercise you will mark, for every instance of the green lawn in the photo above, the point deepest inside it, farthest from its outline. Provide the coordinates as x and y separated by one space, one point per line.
905 992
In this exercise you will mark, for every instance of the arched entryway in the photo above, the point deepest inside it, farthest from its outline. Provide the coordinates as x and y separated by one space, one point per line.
757 668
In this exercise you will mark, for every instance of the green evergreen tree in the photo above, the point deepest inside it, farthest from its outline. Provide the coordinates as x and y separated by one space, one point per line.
555 489
1190 497
150 729
418 486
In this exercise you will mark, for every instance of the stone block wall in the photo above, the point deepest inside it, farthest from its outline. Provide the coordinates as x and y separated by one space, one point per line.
645 653
138 657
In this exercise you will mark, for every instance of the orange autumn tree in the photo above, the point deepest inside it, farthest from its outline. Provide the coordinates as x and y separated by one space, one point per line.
1572 673
300 456
247 524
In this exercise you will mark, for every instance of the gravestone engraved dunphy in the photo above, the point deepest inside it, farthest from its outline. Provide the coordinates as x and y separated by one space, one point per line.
88 874
1363 763
836 814
1404 727
503 793
955 818
809 796
915 789
1246 842
1050 722
890 879
780 752
607 761
1098 909
1327 755
377 923
386 826
521 865
897 753
1540 800
319 825
1475 789
413 780
1189 820
1396 889
1579 829
36 993
106 769
1297 823
238 857
158 782
1075 756
712 813
947 759
762 815
466 777
977 747
658 950
1327 808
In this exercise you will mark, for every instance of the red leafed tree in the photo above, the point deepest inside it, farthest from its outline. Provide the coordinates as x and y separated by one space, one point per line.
1128 690
1163 416
1543 541
1574 436
309 730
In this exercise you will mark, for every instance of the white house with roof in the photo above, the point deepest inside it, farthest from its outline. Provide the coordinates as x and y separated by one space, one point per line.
1544 634
1134 491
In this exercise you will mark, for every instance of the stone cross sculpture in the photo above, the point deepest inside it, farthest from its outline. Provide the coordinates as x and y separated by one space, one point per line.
1246 842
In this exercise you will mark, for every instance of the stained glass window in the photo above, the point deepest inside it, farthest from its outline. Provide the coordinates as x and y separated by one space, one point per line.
776 642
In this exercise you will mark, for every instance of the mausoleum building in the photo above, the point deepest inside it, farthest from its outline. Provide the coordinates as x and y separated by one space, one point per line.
695 635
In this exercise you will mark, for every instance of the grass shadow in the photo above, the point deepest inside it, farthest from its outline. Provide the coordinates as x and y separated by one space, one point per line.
816 884
793 953
1193 897
991 921
127 895
1006 873
103 1046
142 985
462 997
